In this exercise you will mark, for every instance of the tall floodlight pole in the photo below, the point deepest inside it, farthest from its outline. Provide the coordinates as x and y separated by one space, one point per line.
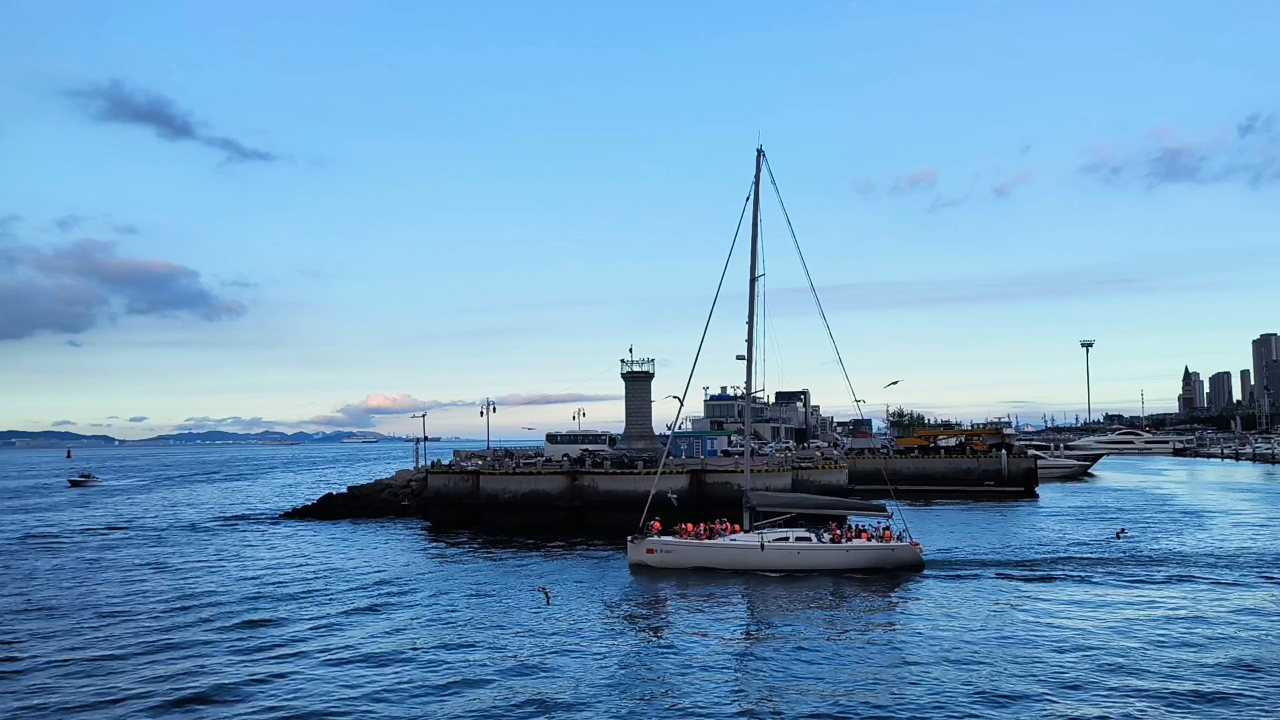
1088 387
423 415
487 409
578 415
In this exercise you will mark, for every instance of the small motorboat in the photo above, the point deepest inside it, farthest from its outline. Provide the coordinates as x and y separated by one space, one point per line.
1056 468
84 479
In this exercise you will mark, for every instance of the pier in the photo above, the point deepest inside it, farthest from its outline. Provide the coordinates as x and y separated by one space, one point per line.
498 493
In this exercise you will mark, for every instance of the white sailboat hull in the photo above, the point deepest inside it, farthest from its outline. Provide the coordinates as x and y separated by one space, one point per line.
745 552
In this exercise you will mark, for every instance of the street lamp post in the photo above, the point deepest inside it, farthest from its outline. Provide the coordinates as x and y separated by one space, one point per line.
487 409
1088 386
423 415
578 415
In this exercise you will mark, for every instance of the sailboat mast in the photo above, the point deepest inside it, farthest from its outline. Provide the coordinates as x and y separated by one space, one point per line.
751 324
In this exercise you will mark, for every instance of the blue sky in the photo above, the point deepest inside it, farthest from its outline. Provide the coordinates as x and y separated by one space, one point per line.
317 215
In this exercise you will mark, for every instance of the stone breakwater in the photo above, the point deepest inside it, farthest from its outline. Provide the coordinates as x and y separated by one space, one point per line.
610 499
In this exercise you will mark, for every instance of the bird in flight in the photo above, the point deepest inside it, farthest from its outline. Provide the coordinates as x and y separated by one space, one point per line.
527 428
895 382
546 594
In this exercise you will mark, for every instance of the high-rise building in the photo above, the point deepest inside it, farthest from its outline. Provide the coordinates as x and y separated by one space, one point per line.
1246 389
1266 379
1220 391
1192 396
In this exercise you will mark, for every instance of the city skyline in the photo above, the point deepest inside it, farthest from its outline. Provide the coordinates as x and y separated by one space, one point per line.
361 214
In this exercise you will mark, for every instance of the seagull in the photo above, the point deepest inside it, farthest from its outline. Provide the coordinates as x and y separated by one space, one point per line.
546 594
1121 532
527 428
895 382
674 500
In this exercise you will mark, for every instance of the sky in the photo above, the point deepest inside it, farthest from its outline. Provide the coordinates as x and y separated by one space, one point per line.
325 215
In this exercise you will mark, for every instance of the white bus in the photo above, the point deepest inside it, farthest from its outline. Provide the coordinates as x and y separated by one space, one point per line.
568 444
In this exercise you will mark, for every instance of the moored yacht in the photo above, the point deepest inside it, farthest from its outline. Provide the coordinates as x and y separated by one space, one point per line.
1131 442
1055 468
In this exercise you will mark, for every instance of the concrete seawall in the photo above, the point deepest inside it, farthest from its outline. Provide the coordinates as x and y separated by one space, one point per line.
605 499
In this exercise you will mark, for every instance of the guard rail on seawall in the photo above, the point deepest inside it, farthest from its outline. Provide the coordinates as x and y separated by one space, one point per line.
693 491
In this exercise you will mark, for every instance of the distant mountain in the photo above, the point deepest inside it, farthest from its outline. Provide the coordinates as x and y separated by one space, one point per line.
48 438
8 437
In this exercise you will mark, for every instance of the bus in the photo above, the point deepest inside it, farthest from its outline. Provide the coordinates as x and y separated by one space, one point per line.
568 444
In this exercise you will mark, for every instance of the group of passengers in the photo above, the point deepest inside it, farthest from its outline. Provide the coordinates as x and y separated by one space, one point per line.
877 533
707 531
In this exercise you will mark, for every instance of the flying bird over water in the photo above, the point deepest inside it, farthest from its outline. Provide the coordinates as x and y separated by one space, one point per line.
895 382
527 428
546 594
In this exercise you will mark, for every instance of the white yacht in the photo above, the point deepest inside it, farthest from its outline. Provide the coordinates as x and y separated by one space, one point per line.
783 549
775 549
1058 450
1055 468
1131 442
359 439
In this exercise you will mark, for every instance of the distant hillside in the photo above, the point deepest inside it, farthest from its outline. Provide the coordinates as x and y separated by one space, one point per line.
47 438
7 436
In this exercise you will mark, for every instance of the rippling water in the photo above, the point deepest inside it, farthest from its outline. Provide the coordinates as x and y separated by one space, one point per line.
172 590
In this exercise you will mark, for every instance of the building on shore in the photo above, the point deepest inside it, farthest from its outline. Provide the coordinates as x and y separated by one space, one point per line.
1192 396
1220 394
1246 389
1266 379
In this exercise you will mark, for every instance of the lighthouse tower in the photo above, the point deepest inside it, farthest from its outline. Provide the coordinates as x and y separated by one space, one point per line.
637 377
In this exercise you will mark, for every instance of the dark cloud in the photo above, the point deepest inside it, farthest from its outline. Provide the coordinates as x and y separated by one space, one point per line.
113 417
362 414
125 229
7 222
61 423
1005 187
115 102
234 423
139 419
70 288
923 179
943 202
1251 157
1256 123
99 424
245 284
864 186
74 343
68 222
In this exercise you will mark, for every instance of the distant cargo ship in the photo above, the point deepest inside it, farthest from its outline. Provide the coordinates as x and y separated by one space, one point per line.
359 439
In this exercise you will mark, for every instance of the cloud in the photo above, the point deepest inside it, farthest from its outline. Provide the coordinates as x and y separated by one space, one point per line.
74 343
113 417
61 423
125 229
115 102
69 289
942 202
7 223
864 186
923 179
1005 188
245 284
234 423
99 424
1251 155
553 399
362 414
68 222
139 419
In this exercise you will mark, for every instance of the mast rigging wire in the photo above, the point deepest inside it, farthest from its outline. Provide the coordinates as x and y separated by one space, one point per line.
813 290
666 449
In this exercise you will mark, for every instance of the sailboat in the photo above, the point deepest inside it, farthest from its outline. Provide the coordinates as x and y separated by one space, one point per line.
763 545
